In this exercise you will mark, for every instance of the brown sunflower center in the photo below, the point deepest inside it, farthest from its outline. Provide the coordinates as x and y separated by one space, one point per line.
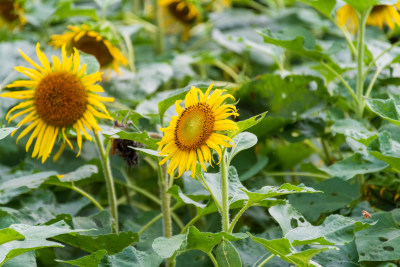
7 10
378 8
194 127
89 44
181 11
60 99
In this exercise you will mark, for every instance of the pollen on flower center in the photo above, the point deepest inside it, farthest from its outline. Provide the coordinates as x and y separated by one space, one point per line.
60 99
194 127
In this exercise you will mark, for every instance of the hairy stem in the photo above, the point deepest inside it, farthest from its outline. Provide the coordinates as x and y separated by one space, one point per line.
112 198
224 189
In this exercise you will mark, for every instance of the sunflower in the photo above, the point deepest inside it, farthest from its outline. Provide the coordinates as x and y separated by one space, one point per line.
11 13
91 41
59 98
182 11
197 129
379 15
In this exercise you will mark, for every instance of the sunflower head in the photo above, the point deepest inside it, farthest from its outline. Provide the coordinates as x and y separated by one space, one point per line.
182 11
11 13
198 128
57 98
379 16
94 41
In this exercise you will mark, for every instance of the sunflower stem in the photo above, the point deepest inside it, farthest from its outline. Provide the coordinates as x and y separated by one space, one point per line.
160 46
360 62
112 198
224 188
165 205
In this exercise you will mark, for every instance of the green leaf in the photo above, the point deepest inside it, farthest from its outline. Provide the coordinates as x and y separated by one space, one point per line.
227 255
354 165
387 109
142 138
91 260
132 257
112 243
246 124
297 40
381 242
16 186
337 194
21 238
81 173
288 218
283 249
363 5
92 65
323 6
4 132
193 239
353 129
148 152
386 148
274 191
242 141
65 10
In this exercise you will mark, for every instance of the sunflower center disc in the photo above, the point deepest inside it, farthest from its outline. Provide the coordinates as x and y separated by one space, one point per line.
60 99
90 45
180 10
194 127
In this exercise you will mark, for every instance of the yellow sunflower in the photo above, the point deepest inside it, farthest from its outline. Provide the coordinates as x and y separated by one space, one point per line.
196 129
380 15
11 14
182 11
91 42
58 98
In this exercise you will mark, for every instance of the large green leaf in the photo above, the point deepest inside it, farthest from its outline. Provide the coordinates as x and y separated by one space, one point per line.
20 238
227 255
284 250
386 148
91 260
354 165
241 141
353 129
11 187
297 40
193 239
143 137
112 243
381 242
337 194
387 109
131 257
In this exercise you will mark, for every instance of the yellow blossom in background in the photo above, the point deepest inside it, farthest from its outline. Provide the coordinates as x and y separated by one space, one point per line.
181 12
197 129
379 16
91 42
11 14
58 97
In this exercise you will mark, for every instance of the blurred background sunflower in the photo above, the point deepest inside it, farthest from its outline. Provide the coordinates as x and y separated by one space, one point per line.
92 40
380 15
11 14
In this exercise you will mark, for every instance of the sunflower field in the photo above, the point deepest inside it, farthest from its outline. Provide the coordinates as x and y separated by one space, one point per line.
200 133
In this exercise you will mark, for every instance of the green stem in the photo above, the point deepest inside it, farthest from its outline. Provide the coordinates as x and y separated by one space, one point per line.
266 260
224 189
238 215
152 221
112 198
214 261
304 174
340 77
195 219
227 69
80 191
347 36
326 152
141 191
372 83
165 205
160 46
131 52
360 62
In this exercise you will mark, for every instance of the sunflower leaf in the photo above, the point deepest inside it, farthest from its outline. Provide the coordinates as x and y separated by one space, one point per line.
365 4
323 6
4 132
246 124
241 142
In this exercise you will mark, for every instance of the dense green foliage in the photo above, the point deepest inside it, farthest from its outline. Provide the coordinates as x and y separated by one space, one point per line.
318 141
